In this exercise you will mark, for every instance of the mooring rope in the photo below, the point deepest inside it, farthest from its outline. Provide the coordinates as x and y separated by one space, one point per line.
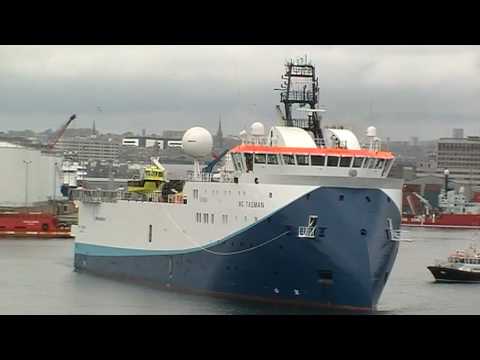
224 253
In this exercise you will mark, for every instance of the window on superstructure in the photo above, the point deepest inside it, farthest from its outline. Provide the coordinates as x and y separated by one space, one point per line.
345 161
237 161
332 160
272 159
385 168
198 217
289 159
379 164
212 218
195 194
302 160
205 218
260 158
371 163
249 162
318 160
357 162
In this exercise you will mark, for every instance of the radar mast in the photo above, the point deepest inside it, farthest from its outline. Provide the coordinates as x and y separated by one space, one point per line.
300 86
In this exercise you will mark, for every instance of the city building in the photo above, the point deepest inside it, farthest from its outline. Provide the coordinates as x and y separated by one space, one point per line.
461 156
90 148
457 133
173 134
149 141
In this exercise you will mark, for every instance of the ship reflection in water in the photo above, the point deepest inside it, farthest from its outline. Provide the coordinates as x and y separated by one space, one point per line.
40 280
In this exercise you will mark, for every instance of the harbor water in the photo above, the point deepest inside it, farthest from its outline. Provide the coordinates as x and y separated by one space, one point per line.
37 277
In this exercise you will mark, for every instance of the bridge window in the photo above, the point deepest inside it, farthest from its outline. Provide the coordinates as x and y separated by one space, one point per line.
237 161
272 159
367 163
332 160
302 160
357 162
260 158
289 159
249 162
318 160
387 164
345 161
371 163
379 164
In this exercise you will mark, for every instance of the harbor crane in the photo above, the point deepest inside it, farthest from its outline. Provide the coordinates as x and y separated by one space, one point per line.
58 134
425 202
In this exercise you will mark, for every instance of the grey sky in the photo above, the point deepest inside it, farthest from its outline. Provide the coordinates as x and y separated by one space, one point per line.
422 91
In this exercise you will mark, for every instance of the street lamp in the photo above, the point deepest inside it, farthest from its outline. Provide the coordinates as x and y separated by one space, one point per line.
26 181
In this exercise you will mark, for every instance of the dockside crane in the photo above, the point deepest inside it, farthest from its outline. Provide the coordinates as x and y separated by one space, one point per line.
58 134
425 202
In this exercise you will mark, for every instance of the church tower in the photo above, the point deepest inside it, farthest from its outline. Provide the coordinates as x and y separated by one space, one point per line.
219 135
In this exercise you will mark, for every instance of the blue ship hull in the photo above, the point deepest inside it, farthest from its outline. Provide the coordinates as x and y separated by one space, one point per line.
346 265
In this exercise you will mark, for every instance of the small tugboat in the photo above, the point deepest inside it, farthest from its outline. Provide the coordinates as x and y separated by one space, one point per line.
461 266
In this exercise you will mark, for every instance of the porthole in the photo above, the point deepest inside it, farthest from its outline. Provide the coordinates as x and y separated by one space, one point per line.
363 232
341 197
368 198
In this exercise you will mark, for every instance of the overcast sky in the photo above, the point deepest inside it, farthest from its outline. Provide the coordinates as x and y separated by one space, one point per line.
422 91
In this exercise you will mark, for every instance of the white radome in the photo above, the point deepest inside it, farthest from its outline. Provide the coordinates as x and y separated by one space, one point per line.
197 142
372 131
257 129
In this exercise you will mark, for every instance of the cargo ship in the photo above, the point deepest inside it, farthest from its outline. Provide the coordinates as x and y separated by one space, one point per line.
454 211
299 214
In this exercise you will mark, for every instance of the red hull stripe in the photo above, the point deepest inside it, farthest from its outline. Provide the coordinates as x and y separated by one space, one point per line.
247 148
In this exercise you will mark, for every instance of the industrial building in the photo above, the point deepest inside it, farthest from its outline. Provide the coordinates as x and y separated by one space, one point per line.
28 175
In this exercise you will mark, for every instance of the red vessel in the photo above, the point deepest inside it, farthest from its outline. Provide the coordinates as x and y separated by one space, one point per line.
32 224
453 211
453 221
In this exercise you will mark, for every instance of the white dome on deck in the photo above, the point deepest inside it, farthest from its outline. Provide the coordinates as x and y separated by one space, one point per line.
342 137
257 129
197 142
290 137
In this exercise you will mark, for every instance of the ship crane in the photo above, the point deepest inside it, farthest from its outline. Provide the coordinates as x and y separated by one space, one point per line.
57 135
424 201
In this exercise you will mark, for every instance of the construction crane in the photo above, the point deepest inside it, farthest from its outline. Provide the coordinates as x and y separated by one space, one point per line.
58 134
424 201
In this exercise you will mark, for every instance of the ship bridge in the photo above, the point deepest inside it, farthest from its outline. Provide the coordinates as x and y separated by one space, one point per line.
292 151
